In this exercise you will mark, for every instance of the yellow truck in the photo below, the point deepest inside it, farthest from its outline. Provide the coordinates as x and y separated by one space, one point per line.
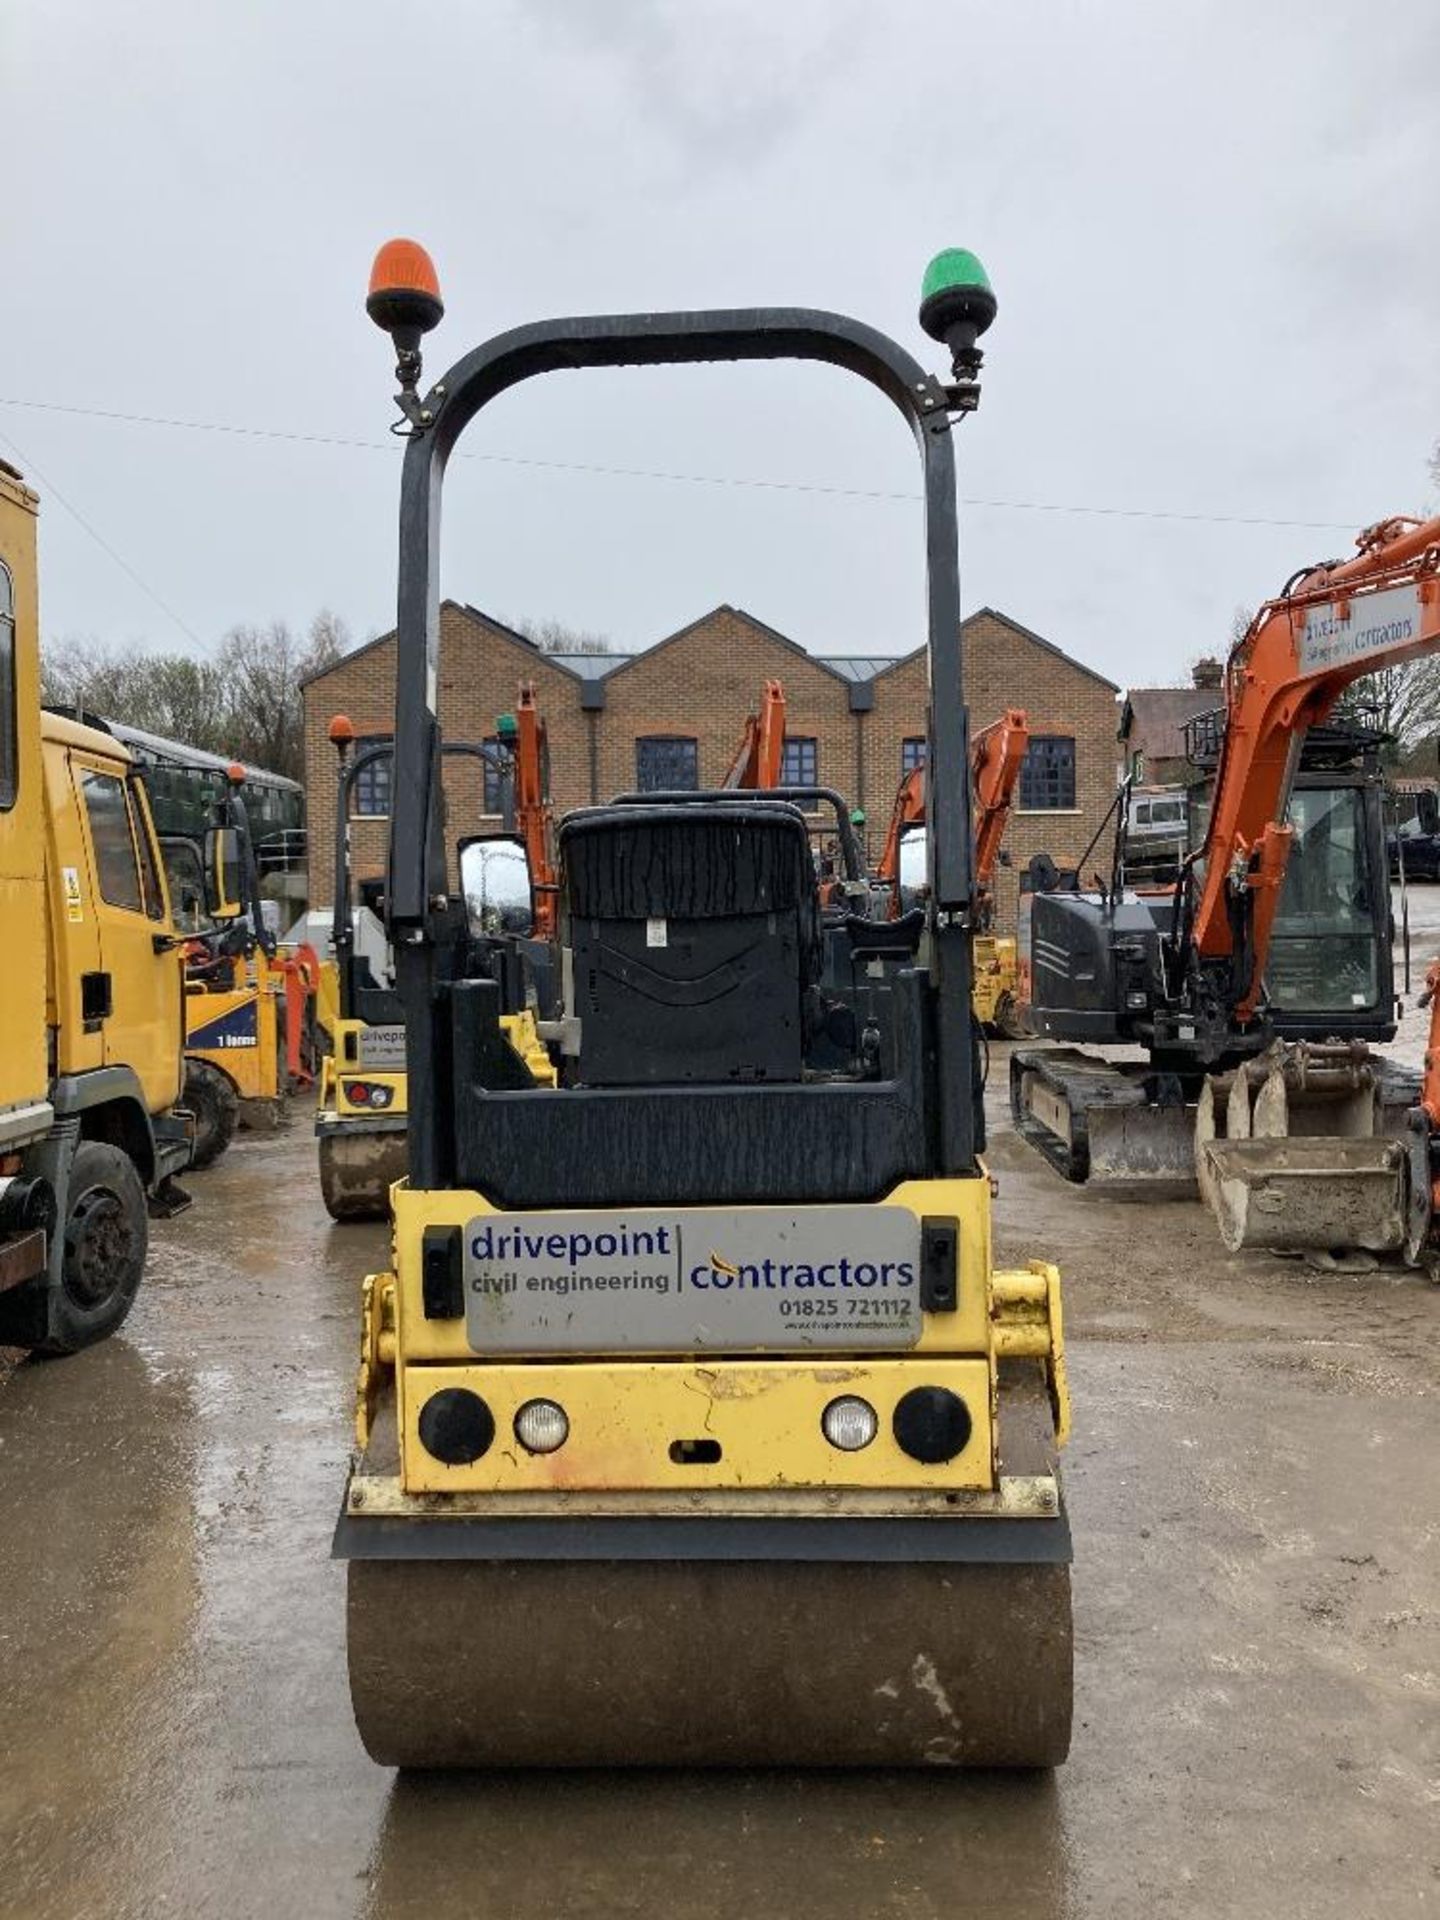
91 1034
248 1001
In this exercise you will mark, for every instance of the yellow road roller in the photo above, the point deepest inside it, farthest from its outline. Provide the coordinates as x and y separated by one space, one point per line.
695 1425
362 1111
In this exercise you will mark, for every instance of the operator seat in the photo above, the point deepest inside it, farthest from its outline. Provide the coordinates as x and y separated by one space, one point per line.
693 936
695 932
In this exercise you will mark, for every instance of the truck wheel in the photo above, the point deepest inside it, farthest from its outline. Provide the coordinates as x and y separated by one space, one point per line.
216 1107
105 1236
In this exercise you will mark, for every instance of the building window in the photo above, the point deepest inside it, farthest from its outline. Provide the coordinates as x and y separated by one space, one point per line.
9 765
370 795
666 762
110 836
1047 779
495 781
800 762
912 754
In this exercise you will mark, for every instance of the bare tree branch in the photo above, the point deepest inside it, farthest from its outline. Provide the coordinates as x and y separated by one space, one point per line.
553 636
245 703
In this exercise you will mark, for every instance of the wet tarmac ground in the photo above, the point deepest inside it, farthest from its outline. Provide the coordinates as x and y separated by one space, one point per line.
1255 1492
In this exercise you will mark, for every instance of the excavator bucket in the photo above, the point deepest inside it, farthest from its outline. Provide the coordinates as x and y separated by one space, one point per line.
1304 1149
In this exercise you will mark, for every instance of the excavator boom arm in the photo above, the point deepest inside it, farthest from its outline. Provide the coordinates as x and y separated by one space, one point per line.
908 811
533 821
997 754
758 764
1302 650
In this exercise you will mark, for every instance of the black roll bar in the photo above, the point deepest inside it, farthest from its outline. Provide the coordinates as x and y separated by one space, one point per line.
342 924
747 796
416 880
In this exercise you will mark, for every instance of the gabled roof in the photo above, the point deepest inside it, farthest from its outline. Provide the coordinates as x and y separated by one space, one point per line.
1026 633
825 663
1153 719
592 667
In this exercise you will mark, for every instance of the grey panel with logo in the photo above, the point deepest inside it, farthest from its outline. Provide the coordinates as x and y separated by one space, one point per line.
382 1049
1355 629
721 1279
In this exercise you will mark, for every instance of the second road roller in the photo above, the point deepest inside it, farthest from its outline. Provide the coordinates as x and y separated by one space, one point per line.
696 1426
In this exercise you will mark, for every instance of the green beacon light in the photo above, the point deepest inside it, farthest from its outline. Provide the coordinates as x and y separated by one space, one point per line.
957 304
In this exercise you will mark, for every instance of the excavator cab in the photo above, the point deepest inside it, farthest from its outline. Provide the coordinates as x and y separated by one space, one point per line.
695 1423
1331 968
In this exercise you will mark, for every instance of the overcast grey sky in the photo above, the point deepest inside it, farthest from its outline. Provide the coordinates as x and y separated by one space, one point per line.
1208 227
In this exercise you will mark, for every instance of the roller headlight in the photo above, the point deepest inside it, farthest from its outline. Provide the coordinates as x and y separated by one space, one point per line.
849 1423
542 1426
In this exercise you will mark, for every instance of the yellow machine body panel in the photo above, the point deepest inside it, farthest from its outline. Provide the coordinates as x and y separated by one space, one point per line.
627 1419
342 1069
966 1330
327 999
344 1066
633 1418
997 976
24 1065
237 1029
117 997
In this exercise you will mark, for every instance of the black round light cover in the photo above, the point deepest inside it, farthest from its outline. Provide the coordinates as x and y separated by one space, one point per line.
456 1426
931 1424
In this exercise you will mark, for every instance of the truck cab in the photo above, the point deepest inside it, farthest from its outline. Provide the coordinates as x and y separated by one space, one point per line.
91 1132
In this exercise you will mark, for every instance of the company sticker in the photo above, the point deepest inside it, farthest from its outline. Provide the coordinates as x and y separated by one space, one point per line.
74 904
1372 623
712 1278
382 1049
238 1026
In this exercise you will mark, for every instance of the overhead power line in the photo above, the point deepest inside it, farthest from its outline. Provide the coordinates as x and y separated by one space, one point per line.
104 545
686 479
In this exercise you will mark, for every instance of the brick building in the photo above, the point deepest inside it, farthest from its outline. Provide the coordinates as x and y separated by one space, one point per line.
1152 726
673 714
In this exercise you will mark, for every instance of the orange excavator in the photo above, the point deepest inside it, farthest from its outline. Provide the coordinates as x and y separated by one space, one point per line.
759 763
997 753
534 821
759 767
1297 1144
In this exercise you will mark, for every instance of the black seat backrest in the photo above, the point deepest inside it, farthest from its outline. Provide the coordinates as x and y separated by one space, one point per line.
365 998
695 936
